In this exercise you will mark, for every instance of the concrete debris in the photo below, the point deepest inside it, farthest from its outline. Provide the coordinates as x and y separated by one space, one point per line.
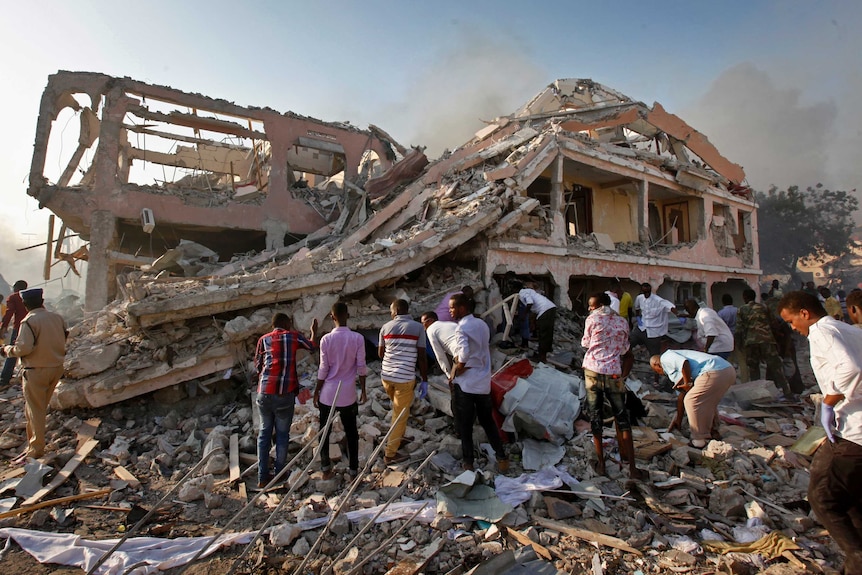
579 186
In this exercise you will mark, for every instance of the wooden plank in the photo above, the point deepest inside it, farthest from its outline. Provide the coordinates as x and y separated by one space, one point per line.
64 473
648 433
648 450
524 540
87 431
599 538
14 472
126 475
52 502
234 457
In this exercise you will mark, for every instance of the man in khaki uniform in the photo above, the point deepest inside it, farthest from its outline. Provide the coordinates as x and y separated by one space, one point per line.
41 345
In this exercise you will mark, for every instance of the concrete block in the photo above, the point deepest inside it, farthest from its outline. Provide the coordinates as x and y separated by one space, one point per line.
746 393
604 242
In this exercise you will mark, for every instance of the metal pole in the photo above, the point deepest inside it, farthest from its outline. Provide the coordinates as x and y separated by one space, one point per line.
257 496
346 498
371 521
388 541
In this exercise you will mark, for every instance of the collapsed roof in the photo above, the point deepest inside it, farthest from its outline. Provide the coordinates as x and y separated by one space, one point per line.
479 201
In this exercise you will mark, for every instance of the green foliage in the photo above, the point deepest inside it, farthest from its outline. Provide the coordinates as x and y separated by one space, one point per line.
795 224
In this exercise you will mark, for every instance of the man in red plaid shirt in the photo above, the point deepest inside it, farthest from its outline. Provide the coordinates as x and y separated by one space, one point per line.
275 360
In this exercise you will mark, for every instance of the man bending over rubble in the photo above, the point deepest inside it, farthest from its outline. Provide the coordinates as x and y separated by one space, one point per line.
836 469
546 314
443 338
41 345
342 359
401 346
606 364
275 360
470 380
702 380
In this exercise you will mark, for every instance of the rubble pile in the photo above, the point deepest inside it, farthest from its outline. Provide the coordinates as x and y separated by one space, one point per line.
156 400
694 513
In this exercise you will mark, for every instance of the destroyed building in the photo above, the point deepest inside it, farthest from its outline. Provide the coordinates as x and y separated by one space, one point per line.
580 185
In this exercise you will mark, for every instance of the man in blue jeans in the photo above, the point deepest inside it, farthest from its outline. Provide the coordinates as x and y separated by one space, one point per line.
16 311
275 360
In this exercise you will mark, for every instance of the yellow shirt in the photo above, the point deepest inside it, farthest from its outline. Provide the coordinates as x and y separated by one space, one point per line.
832 306
625 304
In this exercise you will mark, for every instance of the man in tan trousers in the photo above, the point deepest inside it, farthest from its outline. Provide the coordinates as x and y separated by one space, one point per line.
41 345
702 380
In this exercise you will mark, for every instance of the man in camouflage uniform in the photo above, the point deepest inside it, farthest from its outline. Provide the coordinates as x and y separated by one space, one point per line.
754 334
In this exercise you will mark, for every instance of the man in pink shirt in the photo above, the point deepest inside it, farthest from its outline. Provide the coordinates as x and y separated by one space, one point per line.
342 359
606 364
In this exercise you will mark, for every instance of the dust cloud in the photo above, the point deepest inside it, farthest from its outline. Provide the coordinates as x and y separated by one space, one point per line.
477 77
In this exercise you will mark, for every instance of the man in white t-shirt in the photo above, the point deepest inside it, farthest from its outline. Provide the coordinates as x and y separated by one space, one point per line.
836 469
713 336
443 337
546 314
652 323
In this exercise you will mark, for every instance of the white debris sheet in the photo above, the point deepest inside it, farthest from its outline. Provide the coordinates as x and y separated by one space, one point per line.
154 554
540 454
544 405
516 490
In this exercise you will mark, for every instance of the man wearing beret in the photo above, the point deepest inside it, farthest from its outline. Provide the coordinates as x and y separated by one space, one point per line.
41 345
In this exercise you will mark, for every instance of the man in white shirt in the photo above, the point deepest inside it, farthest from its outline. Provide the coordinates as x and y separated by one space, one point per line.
836 469
713 335
615 301
443 337
652 312
546 314
470 380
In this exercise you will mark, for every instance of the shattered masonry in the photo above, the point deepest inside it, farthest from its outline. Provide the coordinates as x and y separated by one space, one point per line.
580 185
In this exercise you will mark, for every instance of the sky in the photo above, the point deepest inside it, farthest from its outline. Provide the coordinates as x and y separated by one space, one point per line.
773 84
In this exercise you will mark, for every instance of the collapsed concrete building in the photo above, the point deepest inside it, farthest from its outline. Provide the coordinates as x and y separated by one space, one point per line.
580 185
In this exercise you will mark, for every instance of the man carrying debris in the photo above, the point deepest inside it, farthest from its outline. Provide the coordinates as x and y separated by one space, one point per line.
836 469
41 345
713 335
754 334
546 314
443 337
401 346
606 363
470 381
342 360
275 360
14 309
702 380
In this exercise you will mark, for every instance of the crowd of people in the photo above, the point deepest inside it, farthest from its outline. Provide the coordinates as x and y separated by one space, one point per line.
755 333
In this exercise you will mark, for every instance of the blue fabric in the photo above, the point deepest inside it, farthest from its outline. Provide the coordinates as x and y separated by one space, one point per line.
699 362
276 413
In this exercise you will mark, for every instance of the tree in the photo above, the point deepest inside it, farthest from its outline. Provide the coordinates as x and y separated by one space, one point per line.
795 224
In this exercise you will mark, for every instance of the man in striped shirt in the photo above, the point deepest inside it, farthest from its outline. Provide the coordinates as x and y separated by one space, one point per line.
275 360
401 346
